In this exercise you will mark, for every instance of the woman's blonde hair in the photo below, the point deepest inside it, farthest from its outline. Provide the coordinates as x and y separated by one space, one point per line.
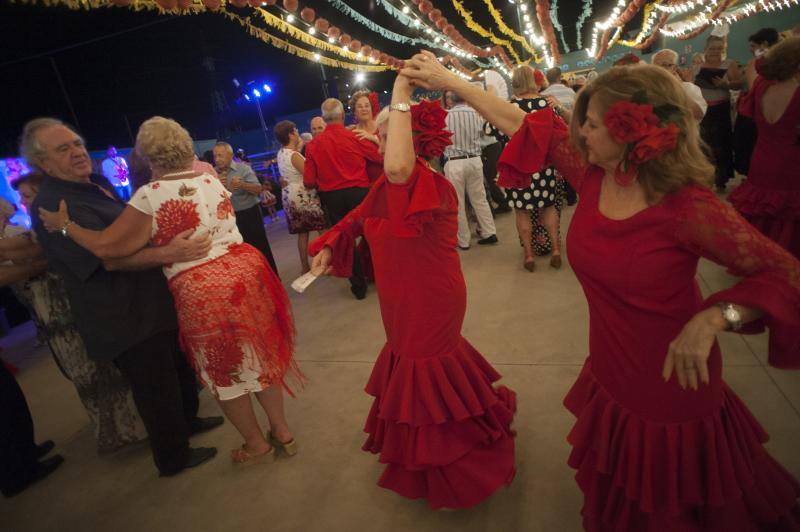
684 165
523 81
165 144
782 61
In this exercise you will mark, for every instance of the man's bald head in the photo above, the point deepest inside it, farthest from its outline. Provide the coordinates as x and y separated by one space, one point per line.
333 111
317 126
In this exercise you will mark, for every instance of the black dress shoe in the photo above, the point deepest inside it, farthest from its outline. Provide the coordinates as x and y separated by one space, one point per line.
43 448
42 470
488 240
203 424
197 456
359 293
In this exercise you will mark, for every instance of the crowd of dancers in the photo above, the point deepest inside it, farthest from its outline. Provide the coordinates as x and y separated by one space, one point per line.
660 442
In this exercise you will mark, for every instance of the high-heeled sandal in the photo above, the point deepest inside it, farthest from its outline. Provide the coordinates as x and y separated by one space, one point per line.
529 264
289 447
555 262
242 456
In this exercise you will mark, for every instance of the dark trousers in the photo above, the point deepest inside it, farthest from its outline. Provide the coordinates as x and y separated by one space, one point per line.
251 224
489 156
17 447
337 204
165 392
717 132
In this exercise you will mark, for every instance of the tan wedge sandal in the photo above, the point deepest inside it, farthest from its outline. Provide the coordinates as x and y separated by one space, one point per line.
242 456
289 447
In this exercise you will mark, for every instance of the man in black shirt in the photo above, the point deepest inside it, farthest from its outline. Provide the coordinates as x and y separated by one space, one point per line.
123 308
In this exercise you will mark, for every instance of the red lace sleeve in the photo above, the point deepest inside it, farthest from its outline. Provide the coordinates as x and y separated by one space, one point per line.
541 141
341 238
770 274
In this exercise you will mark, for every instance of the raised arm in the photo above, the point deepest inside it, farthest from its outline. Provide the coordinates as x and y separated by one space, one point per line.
310 169
424 70
129 233
399 159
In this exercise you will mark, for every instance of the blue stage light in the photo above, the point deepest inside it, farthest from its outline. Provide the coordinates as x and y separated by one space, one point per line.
247 97
256 93
267 88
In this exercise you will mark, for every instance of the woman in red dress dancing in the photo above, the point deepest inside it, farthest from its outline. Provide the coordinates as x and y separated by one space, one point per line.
437 423
652 455
770 196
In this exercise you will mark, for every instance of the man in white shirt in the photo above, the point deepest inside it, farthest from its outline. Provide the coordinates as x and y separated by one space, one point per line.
464 170
558 90
668 59
115 168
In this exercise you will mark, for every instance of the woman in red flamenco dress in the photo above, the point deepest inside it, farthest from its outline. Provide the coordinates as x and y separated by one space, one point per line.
436 422
770 196
652 455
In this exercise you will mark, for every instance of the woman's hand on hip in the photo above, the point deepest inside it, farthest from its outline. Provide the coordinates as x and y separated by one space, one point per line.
688 353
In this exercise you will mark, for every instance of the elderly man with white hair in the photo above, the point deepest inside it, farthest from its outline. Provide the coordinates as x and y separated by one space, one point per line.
339 166
245 188
668 59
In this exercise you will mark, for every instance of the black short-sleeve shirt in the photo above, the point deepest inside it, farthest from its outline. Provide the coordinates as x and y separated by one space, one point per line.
113 311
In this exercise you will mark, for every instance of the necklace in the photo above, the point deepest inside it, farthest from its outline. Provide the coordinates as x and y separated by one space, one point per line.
187 172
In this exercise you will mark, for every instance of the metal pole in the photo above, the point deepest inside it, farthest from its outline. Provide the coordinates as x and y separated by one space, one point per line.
65 93
324 82
130 131
263 124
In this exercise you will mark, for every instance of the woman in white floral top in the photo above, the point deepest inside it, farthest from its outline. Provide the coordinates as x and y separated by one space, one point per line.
235 320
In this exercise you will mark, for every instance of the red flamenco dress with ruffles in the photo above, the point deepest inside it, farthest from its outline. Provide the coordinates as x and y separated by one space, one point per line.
649 455
770 196
436 422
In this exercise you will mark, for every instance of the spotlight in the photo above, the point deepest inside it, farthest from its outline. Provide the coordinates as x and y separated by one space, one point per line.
316 57
331 40
267 88
360 77
290 18
247 97
311 30
256 93
236 83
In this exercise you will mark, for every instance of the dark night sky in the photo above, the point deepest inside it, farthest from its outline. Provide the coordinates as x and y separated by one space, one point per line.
158 69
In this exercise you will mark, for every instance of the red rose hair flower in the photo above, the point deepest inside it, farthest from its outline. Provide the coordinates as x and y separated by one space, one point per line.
647 131
429 128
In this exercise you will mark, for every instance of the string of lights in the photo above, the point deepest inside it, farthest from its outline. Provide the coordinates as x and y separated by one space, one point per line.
483 32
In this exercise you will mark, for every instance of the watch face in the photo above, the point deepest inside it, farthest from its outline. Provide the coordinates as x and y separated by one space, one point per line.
731 314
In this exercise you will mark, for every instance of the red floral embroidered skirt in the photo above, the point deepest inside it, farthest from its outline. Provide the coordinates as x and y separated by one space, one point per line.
235 323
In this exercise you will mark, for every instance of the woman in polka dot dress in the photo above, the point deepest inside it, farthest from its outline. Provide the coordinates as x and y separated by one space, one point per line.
537 204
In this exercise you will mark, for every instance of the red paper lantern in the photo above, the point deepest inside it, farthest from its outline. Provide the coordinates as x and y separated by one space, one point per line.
239 3
122 3
307 14
441 23
253 3
322 25
366 50
212 4
334 32
169 4
355 45
384 57
435 15
271 2
376 54
415 2
290 5
425 7
345 39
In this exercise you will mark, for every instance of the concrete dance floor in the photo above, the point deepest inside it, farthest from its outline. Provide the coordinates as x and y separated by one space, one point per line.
532 327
